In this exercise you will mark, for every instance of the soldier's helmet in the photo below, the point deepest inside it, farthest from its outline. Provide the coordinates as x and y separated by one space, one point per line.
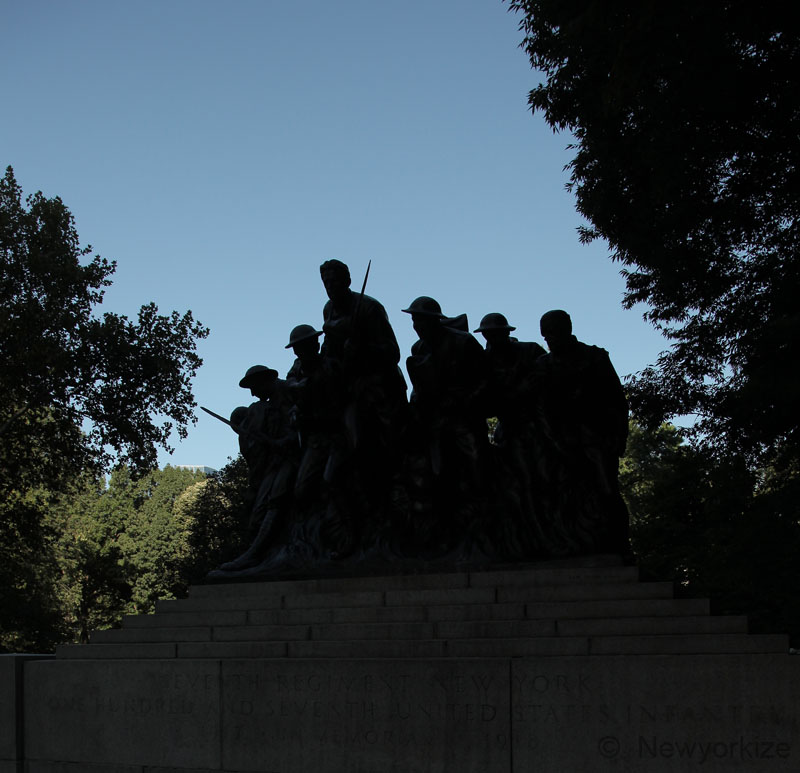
257 373
425 306
301 333
494 321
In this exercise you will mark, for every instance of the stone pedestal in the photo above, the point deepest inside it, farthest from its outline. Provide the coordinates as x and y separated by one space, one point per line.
12 725
569 668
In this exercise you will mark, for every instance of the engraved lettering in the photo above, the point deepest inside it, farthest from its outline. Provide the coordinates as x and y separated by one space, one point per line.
541 684
242 708
559 683
60 703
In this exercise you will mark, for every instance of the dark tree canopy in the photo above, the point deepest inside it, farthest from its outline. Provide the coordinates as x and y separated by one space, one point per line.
686 122
705 524
77 388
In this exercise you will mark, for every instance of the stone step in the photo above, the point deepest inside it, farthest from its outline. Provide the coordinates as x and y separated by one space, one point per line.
690 644
421 597
335 584
613 608
574 608
151 634
640 590
660 626
600 608
271 588
657 601
540 577
505 629
588 570
546 646
463 604
616 645
188 619
633 626
539 646
128 651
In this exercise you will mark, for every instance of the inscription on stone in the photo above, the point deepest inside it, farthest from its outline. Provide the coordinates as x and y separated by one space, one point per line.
653 714
124 712
357 717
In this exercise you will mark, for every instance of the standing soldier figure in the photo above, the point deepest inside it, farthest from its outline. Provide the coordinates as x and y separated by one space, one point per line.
585 422
359 338
270 448
323 525
511 399
510 366
447 369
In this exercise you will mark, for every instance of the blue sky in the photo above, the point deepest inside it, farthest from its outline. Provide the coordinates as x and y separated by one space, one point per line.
219 152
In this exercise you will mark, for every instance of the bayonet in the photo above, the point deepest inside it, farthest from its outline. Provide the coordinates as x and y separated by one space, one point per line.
221 418
363 288
240 430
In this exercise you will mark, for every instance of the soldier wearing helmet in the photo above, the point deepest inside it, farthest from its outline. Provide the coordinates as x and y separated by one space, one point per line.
448 373
269 446
495 329
360 341
447 365
510 397
510 365
314 384
263 429
585 423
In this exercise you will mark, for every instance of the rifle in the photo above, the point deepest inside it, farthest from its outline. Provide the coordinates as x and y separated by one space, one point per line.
255 434
361 295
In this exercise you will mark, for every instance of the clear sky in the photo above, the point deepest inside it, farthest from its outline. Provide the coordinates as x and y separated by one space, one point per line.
220 151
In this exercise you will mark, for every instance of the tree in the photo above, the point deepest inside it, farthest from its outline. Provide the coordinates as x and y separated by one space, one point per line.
94 552
30 613
687 162
215 513
718 529
93 582
79 389
154 542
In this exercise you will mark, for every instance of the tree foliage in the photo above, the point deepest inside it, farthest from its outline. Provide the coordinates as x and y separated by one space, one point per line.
686 124
78 388
719 530
96 551
78 392
92 581
30 609
215 513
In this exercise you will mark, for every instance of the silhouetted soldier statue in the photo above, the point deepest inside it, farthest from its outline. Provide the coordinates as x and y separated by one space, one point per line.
510 368
269 446
237 418
311 388
585 422
360 339
510 397
315 387
447 369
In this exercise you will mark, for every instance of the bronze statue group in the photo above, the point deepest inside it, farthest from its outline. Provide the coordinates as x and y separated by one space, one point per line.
501 454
